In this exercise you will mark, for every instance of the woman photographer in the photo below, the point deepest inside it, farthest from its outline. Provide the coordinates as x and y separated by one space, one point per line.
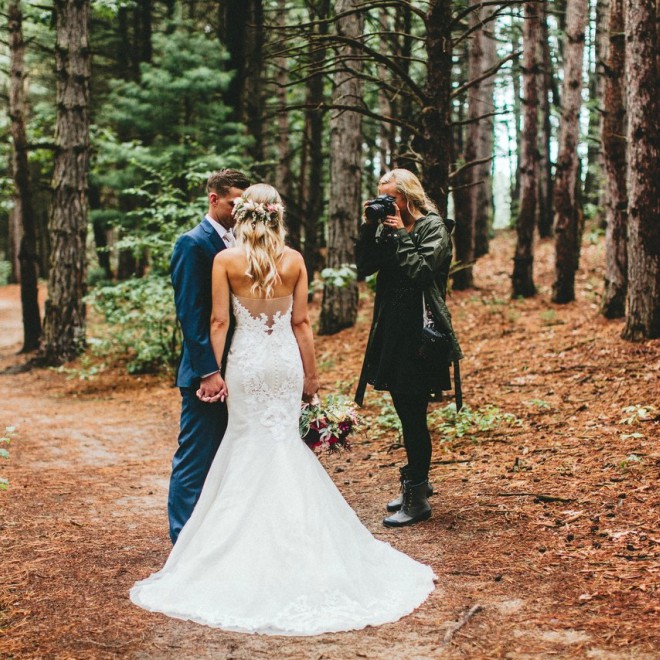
405 240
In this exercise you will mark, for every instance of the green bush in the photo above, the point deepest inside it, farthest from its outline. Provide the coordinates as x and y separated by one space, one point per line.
142 322
5 272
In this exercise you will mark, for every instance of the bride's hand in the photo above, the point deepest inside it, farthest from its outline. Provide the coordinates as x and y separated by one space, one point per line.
212 388
310 387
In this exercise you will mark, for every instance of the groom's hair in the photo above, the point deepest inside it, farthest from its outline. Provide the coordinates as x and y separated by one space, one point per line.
222 180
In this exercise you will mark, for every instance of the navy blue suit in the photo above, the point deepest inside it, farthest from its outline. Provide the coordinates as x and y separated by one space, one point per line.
202 424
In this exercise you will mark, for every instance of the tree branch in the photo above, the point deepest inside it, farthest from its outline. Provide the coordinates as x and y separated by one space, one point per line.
486 74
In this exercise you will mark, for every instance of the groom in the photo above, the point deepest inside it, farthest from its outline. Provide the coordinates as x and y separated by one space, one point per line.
202 424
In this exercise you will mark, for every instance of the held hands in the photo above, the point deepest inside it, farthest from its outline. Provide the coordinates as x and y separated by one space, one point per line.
212 388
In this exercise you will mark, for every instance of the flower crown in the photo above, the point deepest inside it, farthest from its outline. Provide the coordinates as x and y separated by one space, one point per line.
269 214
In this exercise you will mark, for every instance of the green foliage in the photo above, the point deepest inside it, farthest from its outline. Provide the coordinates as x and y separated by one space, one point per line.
388 420
5 272
4 453
175 113
142 324
156 141
339 277
469 423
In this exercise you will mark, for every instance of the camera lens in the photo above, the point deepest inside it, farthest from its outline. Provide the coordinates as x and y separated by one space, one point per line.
374 211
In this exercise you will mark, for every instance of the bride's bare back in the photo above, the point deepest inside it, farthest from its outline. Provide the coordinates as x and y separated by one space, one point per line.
288 270
229 278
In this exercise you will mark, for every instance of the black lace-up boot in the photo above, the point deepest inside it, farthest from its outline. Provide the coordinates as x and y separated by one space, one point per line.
415 507
396 503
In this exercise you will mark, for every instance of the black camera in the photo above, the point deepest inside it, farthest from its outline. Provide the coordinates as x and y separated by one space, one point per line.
379 208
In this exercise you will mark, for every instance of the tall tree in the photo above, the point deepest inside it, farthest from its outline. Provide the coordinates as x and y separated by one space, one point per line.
339 309
283 172
64 326
523 261
598 51
613 131
642 84
242 32
314 132
27 253
463 188
484 210
566 223
545 80
435 134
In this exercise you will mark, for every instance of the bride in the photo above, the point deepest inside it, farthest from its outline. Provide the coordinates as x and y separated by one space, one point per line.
272 547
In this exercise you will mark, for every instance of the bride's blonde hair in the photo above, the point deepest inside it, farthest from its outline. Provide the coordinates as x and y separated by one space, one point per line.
260 232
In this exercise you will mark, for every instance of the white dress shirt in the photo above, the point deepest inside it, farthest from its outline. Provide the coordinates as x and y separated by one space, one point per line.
227 235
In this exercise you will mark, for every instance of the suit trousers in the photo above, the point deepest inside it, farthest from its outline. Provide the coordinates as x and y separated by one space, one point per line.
201 430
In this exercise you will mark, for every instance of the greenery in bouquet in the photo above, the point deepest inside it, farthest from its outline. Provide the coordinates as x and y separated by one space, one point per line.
327 426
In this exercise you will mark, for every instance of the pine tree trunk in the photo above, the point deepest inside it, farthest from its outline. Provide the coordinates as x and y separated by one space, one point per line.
64 327
544 202
232 34
254 96
517 121
405 156
613 130
643 317
523 262
435 145
27 253
484 209
283 174
314 119
565 201
339 309
464 145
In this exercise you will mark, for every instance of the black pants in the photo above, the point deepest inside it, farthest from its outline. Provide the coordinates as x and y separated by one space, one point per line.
412 409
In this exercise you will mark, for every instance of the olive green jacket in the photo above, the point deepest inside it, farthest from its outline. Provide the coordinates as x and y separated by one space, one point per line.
424 256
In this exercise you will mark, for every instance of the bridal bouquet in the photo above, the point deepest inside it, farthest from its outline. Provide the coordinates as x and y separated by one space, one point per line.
327 426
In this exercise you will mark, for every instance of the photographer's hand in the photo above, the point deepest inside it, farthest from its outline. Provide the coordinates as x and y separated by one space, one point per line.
394 222
366 220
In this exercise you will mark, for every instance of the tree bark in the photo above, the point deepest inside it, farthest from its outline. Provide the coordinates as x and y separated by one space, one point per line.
566 206
593 182
314 120
405 157
339 308
64 327
27 253
613 131
545 79
464 151
643 317
523 262
517 121
283 173
254 96
435 145
484 208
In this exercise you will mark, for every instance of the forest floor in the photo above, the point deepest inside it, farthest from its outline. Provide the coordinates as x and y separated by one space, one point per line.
548 522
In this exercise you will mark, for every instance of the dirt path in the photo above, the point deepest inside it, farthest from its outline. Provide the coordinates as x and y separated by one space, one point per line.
85 514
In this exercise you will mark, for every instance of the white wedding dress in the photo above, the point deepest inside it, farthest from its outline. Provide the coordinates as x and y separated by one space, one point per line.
272 547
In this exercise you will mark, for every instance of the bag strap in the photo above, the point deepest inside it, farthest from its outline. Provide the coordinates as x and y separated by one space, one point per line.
458 392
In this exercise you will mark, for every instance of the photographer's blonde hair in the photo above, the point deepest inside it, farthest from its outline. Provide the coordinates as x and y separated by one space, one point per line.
262 238
411 189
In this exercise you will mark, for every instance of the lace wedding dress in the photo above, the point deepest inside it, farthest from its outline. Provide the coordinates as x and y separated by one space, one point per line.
272 547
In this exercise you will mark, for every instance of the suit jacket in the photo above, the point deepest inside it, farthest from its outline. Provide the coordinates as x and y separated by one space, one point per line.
190 269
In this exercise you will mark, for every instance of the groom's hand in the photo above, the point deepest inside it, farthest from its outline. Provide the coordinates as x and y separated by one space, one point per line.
212 388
